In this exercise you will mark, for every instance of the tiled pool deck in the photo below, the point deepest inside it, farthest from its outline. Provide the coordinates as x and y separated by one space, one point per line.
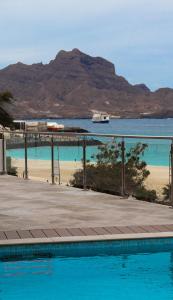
84 234
32 212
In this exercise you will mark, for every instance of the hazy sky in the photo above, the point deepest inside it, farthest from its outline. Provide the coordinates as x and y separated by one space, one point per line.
136 35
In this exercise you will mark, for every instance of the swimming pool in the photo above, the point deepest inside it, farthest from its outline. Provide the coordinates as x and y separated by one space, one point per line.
131 269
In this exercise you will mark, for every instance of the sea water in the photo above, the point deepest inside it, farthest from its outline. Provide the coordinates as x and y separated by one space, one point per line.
157 152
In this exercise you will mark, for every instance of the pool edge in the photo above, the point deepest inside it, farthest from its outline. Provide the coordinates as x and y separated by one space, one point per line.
73 239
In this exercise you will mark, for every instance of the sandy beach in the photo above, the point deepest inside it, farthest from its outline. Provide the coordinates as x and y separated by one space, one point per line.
158 178
41 170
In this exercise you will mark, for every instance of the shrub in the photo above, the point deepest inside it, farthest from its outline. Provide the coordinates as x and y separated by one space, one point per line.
146 195
105 174
166 192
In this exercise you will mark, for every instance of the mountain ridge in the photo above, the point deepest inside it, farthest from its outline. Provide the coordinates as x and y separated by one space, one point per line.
75 84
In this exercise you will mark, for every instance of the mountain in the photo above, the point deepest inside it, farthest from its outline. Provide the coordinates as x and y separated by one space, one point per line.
75 85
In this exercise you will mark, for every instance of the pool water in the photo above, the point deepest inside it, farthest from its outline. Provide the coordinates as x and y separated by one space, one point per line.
108 270
146 276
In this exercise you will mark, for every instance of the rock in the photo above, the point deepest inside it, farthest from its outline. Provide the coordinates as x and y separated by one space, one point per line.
75 84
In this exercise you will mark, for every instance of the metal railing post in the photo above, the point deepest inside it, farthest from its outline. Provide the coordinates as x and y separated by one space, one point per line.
26 157
3 155
52 161
171 173
59 170
84 164
123 168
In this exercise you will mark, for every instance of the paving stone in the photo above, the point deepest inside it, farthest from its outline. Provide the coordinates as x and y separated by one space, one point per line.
100 230
2 236
24 234
63 232
12 235
50 233
113 230
37 233
88 231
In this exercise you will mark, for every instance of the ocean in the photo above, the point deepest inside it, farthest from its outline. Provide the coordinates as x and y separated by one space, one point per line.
156 154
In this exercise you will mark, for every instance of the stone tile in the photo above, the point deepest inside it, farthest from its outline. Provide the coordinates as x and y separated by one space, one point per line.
149 228
37 233
136 229
76 231
24 234
161 228
113 230
169 227
125 229
142 229
12 235
50 233
88 231
100 230
2 236
63 232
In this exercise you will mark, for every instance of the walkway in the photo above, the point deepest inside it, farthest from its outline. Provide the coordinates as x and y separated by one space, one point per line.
35 210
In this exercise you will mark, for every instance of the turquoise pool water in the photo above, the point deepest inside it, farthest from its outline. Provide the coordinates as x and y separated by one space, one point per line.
90 271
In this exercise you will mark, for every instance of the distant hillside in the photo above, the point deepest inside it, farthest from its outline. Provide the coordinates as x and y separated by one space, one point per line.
75 84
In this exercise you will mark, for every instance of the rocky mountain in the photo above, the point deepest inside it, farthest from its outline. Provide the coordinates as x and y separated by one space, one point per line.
75 85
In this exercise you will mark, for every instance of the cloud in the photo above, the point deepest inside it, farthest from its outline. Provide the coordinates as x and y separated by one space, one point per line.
53 9
68 10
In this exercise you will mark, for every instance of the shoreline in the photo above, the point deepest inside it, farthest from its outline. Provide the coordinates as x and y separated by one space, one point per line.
41 170
139 117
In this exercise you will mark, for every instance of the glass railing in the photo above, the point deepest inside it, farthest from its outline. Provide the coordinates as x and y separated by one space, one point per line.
140 166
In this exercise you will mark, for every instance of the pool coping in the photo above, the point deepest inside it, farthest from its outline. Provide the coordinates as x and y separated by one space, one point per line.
86 239
90 234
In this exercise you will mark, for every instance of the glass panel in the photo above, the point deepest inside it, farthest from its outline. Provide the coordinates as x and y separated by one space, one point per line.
156 156
39 157
146 163
67 157
145 172
15 154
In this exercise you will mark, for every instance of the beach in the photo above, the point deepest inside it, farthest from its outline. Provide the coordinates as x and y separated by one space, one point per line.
41 170
158 178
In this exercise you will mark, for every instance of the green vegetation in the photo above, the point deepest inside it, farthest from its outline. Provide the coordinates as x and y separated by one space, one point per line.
166 191
5 118
105 174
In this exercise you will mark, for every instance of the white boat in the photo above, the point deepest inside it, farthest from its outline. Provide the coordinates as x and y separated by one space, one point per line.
53 126
100 118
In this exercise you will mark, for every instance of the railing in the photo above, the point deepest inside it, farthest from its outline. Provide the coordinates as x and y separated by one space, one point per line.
25 139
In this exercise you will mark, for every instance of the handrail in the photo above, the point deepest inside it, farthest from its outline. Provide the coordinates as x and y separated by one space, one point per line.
85 134
88 134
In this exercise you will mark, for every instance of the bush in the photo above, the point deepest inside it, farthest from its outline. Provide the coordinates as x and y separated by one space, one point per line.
166 191
105 174
146 195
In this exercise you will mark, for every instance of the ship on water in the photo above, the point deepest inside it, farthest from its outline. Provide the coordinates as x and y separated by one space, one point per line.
100 118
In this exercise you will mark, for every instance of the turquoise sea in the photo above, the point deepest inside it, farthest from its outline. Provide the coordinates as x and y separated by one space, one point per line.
156 154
